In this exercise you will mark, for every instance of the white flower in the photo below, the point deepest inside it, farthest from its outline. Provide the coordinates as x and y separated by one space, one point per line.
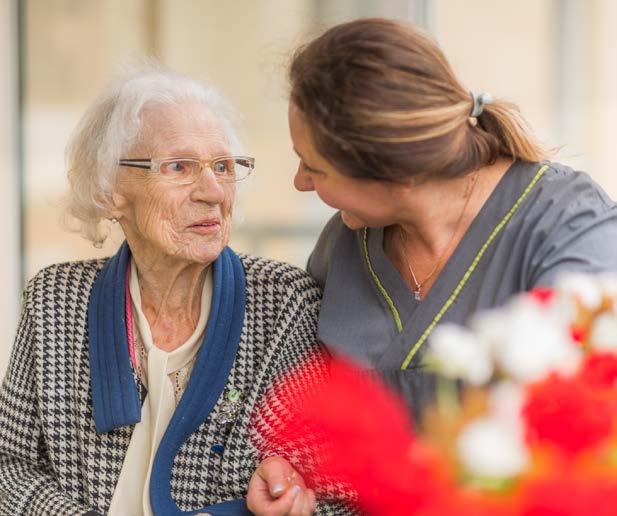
489 325
564 308
459 354
583 287
489 448
505 404
603 333
608 284
527 340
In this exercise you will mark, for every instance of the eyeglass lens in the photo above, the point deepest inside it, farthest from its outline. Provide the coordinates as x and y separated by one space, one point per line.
189 170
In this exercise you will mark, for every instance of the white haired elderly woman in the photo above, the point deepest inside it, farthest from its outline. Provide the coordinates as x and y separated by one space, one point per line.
132 379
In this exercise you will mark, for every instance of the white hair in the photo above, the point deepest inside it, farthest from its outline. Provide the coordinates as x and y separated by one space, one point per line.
111 127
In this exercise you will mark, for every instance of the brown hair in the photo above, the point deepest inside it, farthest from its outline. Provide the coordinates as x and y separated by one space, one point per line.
382 102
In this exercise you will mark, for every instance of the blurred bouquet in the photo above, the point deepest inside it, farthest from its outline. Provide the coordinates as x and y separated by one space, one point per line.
524 422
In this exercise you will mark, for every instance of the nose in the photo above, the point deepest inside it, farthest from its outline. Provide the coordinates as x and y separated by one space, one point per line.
303 181
208 188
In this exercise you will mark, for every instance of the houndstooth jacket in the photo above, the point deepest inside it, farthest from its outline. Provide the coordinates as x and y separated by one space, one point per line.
53 461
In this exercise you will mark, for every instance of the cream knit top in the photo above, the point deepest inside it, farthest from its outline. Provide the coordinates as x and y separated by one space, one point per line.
165 375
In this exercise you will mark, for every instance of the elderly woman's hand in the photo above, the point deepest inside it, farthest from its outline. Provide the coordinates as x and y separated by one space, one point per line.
276 489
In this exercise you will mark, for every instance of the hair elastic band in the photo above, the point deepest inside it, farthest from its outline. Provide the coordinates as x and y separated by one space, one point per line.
479 101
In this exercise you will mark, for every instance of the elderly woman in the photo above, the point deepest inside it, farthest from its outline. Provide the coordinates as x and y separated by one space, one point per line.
132 379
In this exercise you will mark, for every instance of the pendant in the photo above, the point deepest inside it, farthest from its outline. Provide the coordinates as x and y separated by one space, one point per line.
416 294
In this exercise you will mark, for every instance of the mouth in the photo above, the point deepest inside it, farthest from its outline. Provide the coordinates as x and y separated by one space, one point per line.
205 226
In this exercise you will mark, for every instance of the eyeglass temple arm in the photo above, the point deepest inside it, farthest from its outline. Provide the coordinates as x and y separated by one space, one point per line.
136 163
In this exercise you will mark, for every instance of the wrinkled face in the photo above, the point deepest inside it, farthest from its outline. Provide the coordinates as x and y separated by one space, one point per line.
362 202
162 220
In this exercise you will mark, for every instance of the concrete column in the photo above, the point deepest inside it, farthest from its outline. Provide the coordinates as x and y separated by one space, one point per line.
10 269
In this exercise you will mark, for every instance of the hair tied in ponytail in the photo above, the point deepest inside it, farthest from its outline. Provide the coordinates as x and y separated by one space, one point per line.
478 103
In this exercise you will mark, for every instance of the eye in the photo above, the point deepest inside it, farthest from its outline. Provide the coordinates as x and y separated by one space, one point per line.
224 167
308 169
176 167
221 167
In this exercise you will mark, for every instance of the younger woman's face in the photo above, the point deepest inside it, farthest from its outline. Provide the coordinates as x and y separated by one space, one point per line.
362 202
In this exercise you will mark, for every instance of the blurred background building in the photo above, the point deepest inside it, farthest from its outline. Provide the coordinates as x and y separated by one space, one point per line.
557 59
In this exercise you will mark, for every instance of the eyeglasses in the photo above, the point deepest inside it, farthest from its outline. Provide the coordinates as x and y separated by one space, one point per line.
185 171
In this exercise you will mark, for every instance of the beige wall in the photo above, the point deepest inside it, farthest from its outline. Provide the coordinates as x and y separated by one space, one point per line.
564 78
73 45
9 265
505 48
601 122
511 49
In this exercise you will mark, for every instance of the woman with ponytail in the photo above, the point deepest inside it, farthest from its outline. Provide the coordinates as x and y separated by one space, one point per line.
447 203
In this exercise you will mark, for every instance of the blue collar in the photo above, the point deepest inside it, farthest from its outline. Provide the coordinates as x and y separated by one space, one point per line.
115 398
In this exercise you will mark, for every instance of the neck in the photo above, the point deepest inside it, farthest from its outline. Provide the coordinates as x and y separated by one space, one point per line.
435 209
433 218
170 298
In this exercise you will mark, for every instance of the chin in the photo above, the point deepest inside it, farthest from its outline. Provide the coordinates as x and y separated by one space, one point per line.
352 222
207 256
201 253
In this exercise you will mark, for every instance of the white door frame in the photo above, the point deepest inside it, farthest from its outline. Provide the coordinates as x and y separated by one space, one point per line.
10 191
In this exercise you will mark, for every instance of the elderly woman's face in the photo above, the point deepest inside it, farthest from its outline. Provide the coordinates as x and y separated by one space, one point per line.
161 219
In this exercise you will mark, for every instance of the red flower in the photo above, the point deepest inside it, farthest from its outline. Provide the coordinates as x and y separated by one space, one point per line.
567 413
577 333
542 295
570 494
347 428
472 503
599 369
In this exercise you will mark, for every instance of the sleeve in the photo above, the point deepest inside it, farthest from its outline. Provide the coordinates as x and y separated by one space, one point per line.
576 233
299 315
319 259
27 481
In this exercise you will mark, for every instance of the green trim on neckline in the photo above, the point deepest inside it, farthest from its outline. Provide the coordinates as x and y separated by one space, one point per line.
380 287
462 282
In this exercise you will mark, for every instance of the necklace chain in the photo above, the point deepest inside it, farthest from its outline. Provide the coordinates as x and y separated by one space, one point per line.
417 291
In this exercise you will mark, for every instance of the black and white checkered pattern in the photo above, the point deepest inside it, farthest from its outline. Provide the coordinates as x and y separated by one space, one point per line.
51 459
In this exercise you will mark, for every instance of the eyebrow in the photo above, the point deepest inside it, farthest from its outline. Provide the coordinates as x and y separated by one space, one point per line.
186 152
305 163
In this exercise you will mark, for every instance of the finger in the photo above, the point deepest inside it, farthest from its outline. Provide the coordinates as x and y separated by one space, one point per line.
295 479
309 503
258 497
276 472
312 501
303 504
296 508
262 504
284 505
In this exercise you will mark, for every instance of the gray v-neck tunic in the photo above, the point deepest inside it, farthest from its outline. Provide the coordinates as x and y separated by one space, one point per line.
565 223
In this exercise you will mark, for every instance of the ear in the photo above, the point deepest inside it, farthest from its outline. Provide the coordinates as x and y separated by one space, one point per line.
116 204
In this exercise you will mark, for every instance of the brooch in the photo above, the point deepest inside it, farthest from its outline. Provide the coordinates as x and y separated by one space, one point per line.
230 408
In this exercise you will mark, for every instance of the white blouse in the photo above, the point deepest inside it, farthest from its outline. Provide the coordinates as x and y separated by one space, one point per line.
165 376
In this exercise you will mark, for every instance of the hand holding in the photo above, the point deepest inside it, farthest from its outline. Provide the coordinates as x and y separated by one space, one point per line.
277 489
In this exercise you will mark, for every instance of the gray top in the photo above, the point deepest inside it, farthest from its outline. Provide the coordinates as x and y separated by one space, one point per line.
566 222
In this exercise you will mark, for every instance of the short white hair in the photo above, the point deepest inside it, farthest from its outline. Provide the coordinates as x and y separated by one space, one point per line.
112 126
